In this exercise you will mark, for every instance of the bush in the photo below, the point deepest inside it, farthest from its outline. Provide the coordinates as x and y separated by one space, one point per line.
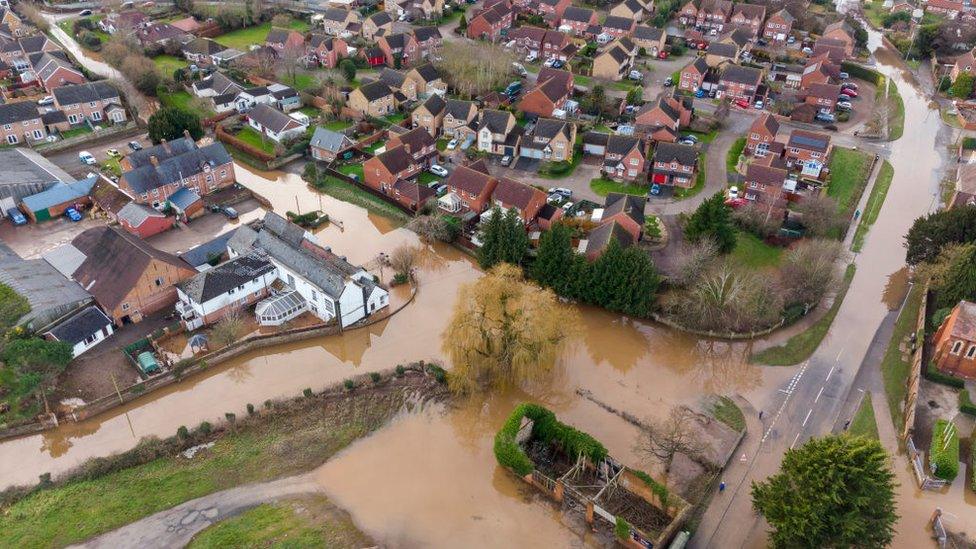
439 374
933 374
231 417
622 529
307 392
349 384
250 409
205 428
400 370
547 428
183 433
966 405
375 376
944 450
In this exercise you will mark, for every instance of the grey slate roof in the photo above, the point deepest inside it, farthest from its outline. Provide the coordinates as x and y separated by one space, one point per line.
686 155
723 49
494 120
380 18
84 93
741 75
375 90
136 214
618 23
183 198
176 167
50 293
460 109
644 32
330 140
81 325
26 172
271 118
201 254
12 113
579 15
217 281
435 104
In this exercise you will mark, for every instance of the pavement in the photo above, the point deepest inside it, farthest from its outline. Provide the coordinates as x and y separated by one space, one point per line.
175 527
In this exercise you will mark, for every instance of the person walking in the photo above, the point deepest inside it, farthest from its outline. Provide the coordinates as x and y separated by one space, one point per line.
721 486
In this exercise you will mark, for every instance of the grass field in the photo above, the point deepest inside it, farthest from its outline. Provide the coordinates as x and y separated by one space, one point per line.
894 368
726 411
352 169
863 423
301 82
311 521
753 253
735 151
896 121
337 125
253 138
873 207
243 39
603 186
183 100
348 192
75 132
848 176
167 64
799 347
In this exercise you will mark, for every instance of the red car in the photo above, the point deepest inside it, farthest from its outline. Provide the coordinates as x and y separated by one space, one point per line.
742 103
662 55
848 92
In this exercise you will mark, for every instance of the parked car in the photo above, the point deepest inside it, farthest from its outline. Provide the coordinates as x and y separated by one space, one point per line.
532 56
662 54
844 76
668 82
231 213
84 13
690 137
848 92
46 100
759 105
134 145
561 190
700 93
807 50
506 160
438 170
733 193
825 117
452 144
849 86
86 158
685 141
635 75
567 206
655 189
72 214
549 62
113 153
791 40
845 106
16 216
742 103
558 64
519 69
441 190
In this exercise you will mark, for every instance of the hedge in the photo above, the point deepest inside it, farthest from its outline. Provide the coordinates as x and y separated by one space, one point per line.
932 373
966 405
864 73
659 490
944 450
547 428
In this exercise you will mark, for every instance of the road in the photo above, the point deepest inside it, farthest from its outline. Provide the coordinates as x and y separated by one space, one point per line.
813 401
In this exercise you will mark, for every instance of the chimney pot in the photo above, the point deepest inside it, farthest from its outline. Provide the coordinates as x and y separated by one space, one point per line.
154 160
186 133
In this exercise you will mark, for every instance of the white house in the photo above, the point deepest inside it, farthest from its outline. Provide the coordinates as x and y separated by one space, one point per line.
221 290
82 330
275 124
314 279
281 96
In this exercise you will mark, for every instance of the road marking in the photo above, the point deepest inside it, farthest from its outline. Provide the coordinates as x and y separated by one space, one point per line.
829 373
796 438
838 354
789 392
806 419
818 395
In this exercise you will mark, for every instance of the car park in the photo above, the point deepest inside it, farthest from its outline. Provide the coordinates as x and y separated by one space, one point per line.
826 117
113 153
845 106
16 216
437 169
506 160
86 158
561 191
849 86
848 92
134 145
452 144
72 214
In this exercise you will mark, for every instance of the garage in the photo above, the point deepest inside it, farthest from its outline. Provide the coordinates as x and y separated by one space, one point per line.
53 202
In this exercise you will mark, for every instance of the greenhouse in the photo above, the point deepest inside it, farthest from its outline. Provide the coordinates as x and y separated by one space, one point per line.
280 308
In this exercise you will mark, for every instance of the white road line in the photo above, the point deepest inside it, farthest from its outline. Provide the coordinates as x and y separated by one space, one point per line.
838 355
796 438
818 395
829 373
806 419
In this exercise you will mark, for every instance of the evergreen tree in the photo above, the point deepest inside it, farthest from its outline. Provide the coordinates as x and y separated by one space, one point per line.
931 233
959 280
516 239
556 264
462 23
713 219
491 240
169 123
623 280
503 238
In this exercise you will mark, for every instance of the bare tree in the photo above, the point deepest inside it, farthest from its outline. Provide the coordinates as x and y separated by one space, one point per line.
432 227
810 269
403 259
476 68
228 329
664 439
291 60
693 260
820 215
756 219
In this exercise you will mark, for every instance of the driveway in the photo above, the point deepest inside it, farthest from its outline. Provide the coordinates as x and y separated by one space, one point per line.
578 181
34 239
68 161
205 228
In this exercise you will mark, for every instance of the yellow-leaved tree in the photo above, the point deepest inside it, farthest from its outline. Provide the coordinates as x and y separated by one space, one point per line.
505 332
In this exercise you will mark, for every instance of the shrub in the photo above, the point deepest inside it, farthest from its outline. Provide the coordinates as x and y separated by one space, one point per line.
547 428
622 529
231 417
400 370
933 374
966 405
183 433
250 409
349 384
267 404
375 376
439 374
659 490
400 278
944 450
205 428
307 392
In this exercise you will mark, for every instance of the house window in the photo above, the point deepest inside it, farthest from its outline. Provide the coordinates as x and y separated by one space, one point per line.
7 126
117 116
91 339
956 347
634 161
72 118
91 104
97 116
158 281
125 306
11 139
38 134
26 123
971 352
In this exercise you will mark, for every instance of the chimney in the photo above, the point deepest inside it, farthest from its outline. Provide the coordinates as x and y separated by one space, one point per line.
165 144
154 160
186 133
406 147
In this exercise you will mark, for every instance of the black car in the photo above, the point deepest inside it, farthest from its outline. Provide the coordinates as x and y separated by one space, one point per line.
231 213
134 145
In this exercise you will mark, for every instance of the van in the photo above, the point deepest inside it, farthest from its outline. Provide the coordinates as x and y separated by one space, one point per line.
513 89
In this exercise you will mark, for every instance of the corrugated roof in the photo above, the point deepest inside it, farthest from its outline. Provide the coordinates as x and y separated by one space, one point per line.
60 193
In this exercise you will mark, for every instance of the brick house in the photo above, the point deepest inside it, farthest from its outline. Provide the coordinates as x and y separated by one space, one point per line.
199 50
808 152
335 21
412 194
652 39
748 15
627 211
528 38
557 45
378 23
667 112
460 118
618 27
53 70
515 195
430 115
553 88
765 187
950 9
955 342
599 239
96 102
674 164
151 175
615 61
693 75
842 32
629 9
21 123
965 188
779 26
499 133
550 140
550 9
761 134
404 89
384 169
326 144
373 99
624 158
823 96
721 53
576 20
429 41
418 142
472 186
282 40
714 14
688 14
493 23
128 278
428 80
399 49
964 63
740 82
835 50
816 72
327 50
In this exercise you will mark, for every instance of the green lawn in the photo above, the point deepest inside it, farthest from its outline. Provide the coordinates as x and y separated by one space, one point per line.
254 138
348 192
375 146
863 423
896 122
874 13
735 151
395 118
301 82
894 367
75 132
753 253
442 144
623 85
603 186
67 25
167 64
279 445
700 178
426 178
703 137
873 207
848 176
799 347
559 170
725 410
183 100
337 125
582 80
311 521
112 166
243 39
311 112
352 169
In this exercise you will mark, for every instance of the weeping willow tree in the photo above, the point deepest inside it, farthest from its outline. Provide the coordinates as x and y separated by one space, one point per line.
505 332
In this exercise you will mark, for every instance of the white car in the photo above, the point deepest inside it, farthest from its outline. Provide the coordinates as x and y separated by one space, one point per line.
86 158
560 190
845 106
439 170
759 105
635 75
733 193
532 56
452 144
46 100
567 206
549 62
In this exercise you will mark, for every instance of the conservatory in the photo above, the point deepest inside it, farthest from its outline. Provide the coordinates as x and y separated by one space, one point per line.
280 308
